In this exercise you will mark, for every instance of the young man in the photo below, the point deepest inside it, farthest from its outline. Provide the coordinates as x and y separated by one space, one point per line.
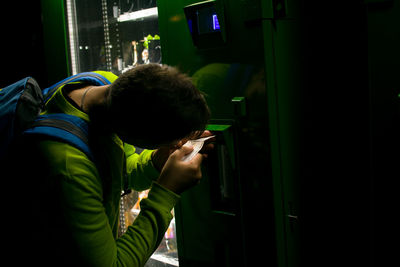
71 216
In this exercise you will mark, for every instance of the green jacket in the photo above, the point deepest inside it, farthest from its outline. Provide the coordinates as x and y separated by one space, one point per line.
89 195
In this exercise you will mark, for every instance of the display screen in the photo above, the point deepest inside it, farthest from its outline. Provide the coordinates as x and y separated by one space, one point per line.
207 20
215 23
205 24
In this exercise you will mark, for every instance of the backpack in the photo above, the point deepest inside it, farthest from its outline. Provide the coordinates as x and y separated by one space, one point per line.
21 104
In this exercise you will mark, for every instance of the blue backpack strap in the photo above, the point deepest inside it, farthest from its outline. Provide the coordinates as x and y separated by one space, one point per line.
85 77
65 128
20 103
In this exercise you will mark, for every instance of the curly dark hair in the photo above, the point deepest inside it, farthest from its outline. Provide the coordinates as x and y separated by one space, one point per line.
155 104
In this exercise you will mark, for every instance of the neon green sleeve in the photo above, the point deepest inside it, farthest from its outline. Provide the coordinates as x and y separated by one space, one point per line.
82 200
140 168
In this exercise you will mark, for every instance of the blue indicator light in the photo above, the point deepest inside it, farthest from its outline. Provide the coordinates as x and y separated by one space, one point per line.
215 23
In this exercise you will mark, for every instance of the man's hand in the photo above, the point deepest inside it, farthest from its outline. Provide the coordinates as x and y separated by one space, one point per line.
178 175
161 155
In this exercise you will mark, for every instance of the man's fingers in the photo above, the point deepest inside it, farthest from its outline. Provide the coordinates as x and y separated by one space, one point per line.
197 159
182 151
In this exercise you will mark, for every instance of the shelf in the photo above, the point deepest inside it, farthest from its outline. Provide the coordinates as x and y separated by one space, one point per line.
165 259
138 15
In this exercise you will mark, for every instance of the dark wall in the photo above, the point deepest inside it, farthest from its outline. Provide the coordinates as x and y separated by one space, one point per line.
22 53
384 84
337 191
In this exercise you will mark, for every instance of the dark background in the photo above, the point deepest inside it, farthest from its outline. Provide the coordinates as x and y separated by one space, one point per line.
351 50
22 46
